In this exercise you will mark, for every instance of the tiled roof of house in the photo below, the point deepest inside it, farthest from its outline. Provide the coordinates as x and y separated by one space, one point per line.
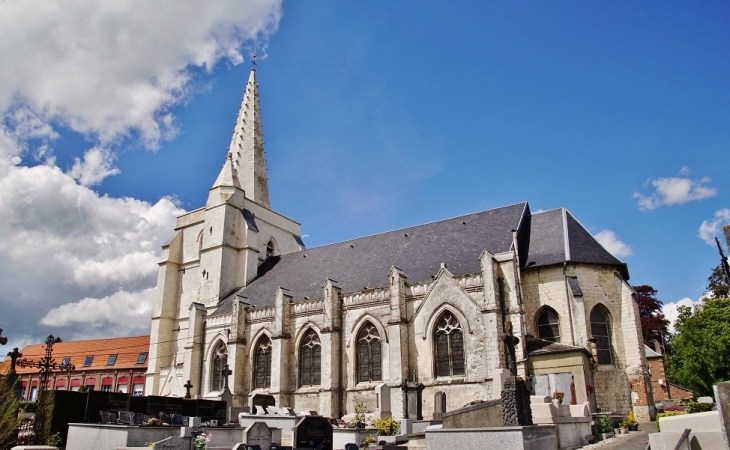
127 349
545 238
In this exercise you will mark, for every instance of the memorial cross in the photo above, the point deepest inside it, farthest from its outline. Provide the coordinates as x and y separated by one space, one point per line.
510 341
3 340
14 355
187 387
225 372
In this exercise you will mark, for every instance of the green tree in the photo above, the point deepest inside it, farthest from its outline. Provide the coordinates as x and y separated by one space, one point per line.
700 356
653 323
717 285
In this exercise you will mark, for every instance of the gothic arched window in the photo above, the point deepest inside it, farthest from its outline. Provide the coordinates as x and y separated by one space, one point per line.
310 360
548 325
449 346
262 363
369 357
270 248
599 331
220 359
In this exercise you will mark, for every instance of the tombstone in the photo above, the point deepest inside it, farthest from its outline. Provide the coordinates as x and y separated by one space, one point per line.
414 400
313 432
205 409
97 401
439 405
258 433
138 419
165 418
516 409
260 411
176 420
722 396
264 400
382 400
138 404
168 405
286 411
126 417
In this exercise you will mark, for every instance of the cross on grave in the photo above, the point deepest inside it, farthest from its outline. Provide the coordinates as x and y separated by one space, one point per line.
14 355
3 340
510 341
226 372
187 387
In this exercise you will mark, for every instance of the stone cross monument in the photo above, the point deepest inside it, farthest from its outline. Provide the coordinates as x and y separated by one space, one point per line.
515 395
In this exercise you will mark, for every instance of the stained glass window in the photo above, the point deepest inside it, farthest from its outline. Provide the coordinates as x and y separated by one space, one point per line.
220 359
449 346
369 358
262 364
310 359
599 330
548 326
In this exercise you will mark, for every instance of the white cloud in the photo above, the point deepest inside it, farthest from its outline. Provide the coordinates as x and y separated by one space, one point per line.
104 68
675 191
613 244
671 313
132 310
96 166
710 229
107 70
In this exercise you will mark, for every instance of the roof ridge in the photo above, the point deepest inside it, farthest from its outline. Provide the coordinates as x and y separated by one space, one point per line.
408 227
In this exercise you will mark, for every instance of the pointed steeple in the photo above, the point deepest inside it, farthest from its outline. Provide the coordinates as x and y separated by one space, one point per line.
247 146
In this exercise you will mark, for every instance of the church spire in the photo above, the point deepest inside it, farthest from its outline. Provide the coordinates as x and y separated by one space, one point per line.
247 147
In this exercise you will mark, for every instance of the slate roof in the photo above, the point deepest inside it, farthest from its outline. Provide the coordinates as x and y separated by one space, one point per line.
419 251
537 346
552 230
127 350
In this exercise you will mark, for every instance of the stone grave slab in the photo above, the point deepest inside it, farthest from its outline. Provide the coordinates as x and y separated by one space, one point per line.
168 405
98 401
264 400
258 434
313 432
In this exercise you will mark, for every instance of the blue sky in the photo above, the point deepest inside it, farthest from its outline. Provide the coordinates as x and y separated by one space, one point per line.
377 115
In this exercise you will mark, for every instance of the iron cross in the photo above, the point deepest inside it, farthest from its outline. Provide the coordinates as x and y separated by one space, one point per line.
187 387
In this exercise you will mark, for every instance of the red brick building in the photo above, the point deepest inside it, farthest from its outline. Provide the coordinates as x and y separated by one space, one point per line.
663 390
113 365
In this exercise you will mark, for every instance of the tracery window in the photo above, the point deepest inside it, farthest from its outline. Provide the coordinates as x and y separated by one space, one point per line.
262 363
310 360
369 357
270 248
548 326
449 346
220 359
599 330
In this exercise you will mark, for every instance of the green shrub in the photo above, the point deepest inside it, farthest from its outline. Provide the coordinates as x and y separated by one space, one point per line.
387 426
604 425
695 407
667 414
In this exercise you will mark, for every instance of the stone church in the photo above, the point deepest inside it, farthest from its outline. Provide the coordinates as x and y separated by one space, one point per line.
420 310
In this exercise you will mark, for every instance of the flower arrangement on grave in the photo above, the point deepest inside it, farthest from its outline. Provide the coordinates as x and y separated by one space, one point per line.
154 421
367 441
201 440
630 422
604 426
559 395
387 426
360 410
590 438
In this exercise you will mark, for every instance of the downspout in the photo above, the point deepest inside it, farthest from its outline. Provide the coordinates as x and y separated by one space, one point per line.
340 386
567 301
202 359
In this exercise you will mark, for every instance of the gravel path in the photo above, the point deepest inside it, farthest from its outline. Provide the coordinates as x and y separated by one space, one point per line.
635 440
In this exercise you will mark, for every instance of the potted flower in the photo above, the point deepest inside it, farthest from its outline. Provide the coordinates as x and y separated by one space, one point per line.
558 398
590 439
624 426
387 429
604 428
201 441
631 422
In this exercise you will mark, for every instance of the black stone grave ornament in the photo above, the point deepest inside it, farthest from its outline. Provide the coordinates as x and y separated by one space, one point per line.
314 432
516 408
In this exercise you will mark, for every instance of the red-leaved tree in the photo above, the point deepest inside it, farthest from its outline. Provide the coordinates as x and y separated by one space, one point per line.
653 323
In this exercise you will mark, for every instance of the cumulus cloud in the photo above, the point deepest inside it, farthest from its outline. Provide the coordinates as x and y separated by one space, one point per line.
675 191
132 310
613 244
71 258
711 228
671 313
105 68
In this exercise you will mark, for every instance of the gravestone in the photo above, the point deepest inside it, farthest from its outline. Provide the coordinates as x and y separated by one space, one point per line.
313 432
414 400
439 405
382 400
206 409
168 405
264 400
258 433
138 404
97 401
722 398
516 409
